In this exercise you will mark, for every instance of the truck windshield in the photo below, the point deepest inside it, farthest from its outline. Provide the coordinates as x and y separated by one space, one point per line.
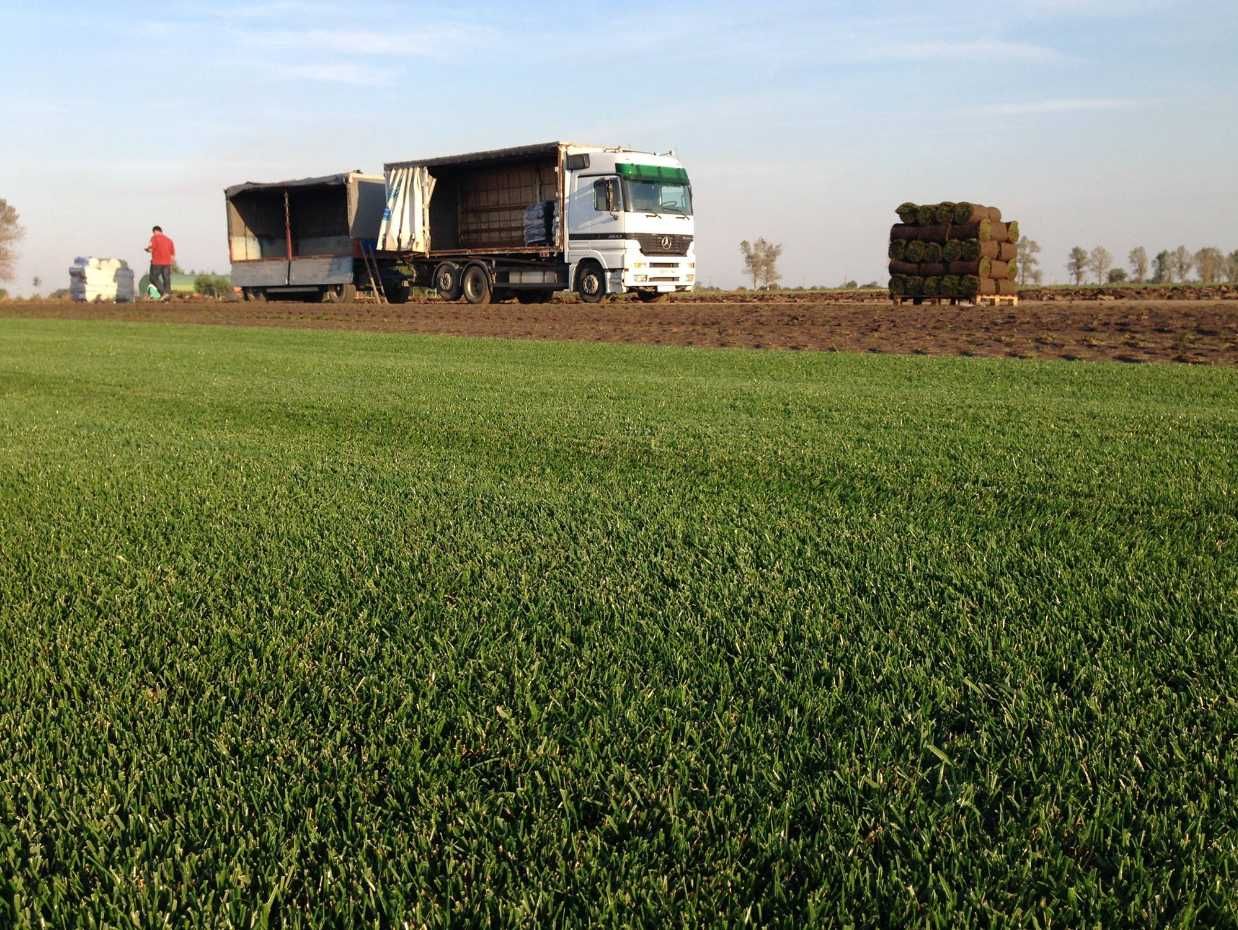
657 197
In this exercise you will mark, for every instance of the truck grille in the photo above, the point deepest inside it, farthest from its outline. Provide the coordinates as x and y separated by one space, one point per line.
654 244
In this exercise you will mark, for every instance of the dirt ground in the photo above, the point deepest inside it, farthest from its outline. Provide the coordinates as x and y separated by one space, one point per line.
1197 332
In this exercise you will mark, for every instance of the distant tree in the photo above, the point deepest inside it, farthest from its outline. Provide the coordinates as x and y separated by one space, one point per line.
11 233
212 285
62 294
1117 275
1138 259
4 295
1029 264
1163 270
761 262
848 285
1209 262
871 285
1077 264
1231 267
1180 264
1100 261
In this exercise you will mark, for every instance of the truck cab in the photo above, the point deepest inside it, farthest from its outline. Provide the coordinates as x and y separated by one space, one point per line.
631 214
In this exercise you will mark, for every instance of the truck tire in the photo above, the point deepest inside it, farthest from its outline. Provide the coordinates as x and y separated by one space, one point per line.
254 295
397 290
591 282
447 281
476 284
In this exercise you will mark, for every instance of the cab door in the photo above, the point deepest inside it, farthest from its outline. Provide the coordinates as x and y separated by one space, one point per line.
595 217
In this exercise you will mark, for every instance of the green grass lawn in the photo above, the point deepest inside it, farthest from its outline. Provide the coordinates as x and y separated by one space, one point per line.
334 629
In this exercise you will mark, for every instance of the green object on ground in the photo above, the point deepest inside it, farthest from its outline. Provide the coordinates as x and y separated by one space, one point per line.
908 212
932 251
898 250
926 215
971 250
952 251
914 251
550 634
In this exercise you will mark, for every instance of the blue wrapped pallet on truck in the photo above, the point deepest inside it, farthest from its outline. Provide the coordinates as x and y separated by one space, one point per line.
539 223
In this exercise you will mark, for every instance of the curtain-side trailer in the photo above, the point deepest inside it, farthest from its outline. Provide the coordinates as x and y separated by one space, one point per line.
529 221
311 237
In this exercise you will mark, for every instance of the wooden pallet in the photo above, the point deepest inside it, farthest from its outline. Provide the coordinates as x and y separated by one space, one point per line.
980 300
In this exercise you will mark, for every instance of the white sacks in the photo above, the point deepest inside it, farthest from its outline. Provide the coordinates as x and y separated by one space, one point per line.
93 279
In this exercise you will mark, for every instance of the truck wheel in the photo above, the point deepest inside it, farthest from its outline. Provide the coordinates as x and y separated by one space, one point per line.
650 297
254 294
447 281
476 285
397 291
591 282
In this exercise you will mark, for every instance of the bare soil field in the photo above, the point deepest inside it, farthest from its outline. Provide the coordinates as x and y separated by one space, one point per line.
1198 332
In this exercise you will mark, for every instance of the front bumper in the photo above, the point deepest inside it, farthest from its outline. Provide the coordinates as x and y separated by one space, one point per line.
663 274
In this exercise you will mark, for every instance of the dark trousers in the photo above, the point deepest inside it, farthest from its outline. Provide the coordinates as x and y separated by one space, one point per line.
161 277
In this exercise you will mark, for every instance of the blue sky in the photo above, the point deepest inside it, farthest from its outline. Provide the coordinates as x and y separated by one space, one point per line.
1090 121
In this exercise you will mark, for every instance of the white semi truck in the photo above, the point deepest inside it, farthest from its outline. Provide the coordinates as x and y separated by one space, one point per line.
529 221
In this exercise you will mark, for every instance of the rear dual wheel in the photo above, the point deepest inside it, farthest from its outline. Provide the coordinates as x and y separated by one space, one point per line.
447 281
339 293
476 285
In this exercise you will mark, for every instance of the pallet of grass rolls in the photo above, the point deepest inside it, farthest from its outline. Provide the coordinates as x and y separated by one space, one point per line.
955 252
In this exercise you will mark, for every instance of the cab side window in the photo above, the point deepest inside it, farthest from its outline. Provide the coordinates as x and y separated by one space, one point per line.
606 195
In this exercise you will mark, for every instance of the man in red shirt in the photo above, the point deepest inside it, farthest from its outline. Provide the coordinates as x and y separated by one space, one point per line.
162 257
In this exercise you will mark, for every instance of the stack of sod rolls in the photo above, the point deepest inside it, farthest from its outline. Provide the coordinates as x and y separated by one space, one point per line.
952 250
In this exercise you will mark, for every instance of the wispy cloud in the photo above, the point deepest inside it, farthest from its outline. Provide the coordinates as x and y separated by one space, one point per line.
421 43
954 50
1065 105
334 73
1098 8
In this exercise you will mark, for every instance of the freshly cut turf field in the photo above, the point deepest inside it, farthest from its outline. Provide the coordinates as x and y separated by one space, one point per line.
338 629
